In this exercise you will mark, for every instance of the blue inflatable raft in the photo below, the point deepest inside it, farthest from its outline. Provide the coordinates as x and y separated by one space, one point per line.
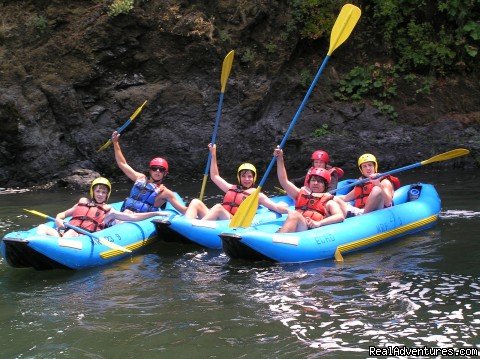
410 214
27 249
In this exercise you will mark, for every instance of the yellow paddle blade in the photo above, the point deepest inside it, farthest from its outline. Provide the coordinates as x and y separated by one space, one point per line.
346 21
226 67
246 211
112 245
36 213
137 111
446 156
105 145
204 184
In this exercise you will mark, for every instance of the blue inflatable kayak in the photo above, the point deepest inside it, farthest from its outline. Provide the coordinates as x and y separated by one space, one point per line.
416 208
28 249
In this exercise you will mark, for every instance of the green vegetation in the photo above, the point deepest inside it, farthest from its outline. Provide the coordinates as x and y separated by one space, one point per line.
374 81
224 36
271 48
322 131
423 36
305 78
420 36
248 55
39 23
371 81
313 18
387 110
120 7
423 40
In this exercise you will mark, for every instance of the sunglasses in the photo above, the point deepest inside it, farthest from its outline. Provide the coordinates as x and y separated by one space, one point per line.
157 168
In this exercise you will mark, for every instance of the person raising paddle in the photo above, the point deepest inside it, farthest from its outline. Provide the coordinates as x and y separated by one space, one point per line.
372 195
234 193
313 206
147 194
92 214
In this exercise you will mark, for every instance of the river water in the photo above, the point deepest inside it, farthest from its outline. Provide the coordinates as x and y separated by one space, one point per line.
175 300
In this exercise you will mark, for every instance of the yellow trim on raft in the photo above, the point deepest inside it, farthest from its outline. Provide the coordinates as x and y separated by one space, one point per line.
114 252
380 237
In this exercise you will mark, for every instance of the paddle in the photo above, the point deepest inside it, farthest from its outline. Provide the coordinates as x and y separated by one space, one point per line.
100 240
226 67
346 21
438 158
123 127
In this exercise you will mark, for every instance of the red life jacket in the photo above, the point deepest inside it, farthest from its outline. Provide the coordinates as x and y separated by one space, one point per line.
233 198
362 191
89 216
311 206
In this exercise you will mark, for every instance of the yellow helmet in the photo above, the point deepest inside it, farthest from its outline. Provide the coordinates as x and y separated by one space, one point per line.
101 180
367 157
249 167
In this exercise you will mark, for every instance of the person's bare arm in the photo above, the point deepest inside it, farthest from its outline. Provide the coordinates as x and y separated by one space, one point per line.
60 217
214 173
336 216
280 207
170 197
288 186
122 162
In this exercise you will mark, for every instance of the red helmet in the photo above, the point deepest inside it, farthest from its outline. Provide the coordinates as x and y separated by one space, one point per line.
321 155
321 172
159 162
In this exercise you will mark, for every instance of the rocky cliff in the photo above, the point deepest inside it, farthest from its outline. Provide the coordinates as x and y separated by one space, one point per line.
70 74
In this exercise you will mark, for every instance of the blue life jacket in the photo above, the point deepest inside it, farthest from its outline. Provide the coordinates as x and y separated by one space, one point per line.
142 197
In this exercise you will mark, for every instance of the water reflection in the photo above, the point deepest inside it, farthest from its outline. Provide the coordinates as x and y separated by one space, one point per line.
423 290
350 309
456 213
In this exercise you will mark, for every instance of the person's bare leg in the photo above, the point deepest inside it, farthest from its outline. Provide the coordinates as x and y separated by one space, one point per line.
295 222
374 201
217 212
342 204
196 209
44 230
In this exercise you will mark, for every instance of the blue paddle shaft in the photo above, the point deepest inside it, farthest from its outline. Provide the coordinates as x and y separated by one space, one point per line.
124 126
215 130
295 118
